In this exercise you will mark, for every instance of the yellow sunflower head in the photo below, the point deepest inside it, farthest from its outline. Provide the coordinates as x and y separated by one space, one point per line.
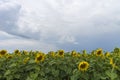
52 53
25 52
78 55
26 60
99 52
83 66
17 52
39 57
3 52
107 54
74 53
61 53
93 52
9 56
111 61
116 50
0 56
113 64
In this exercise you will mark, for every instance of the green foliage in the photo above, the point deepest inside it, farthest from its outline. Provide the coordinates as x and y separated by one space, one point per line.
55 66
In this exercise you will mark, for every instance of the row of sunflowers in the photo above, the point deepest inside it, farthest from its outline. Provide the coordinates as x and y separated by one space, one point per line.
60 65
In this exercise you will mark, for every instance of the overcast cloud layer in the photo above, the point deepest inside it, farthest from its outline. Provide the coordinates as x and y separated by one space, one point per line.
65 24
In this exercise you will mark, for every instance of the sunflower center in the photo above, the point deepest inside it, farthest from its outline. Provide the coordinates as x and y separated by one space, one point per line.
9 57
16 51
60 53
3 52
99 52
39 58
83 65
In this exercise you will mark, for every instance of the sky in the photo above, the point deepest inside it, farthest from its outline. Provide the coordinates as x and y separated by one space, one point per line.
47 25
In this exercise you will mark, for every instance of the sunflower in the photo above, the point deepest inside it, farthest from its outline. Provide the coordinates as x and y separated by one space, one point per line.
116 50
52 53
78 54
113 64
9 56
99 52
25 52
61 53
93 52
84 53
0 56
3 52
107 54
83 66
39 58
74 53
26 60
17 52
111 61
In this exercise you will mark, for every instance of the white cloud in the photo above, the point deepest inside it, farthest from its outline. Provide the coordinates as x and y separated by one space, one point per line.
61 17
4 35
9 14
7 4
58 22
24 44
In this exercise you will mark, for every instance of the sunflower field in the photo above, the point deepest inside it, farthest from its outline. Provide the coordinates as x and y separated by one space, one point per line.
60 65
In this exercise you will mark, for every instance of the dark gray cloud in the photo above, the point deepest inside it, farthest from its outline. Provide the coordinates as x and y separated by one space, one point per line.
106 41
9 15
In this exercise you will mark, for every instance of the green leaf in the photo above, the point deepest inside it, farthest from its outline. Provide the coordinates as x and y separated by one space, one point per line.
42 73
55 73
31 61
74 77
52 62
112 75
7 72
103 78
28 78
37 68
33 76
17 76
13 65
